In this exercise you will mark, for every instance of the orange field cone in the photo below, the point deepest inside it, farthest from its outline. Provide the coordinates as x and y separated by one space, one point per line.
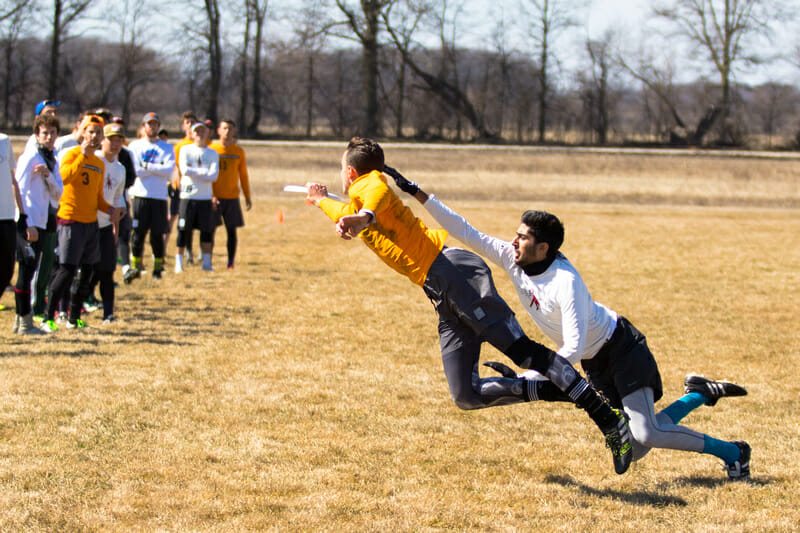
279 216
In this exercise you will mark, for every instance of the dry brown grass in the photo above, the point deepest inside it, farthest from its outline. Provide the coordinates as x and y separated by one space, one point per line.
304 390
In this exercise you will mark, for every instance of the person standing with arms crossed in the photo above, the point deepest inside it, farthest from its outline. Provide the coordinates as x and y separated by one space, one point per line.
199 166
154 160
232 173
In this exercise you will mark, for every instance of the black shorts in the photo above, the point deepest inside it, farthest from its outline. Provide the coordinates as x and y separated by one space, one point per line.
460 285
623 365
108 250
229 210
78 243
174 200
196 214
149 214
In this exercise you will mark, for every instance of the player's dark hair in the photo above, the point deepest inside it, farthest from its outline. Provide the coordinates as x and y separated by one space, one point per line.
545 227
230 122
189 115
45 121
364 155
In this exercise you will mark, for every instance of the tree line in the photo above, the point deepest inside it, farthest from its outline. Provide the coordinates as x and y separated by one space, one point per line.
406 69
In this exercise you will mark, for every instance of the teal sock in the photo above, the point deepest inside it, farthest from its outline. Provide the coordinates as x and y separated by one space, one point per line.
681 407
727 451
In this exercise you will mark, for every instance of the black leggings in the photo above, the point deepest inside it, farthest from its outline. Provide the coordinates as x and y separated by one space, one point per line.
60 286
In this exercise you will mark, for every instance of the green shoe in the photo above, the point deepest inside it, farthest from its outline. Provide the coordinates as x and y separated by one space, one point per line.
78 324
49 326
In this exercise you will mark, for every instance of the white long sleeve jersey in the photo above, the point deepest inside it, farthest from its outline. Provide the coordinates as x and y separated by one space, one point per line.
113 187
154 162
37 192
199 167
557 300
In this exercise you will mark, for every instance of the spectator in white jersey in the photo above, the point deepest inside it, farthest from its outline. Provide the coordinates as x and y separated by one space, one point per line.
154 160
199 166
40 186
45 107
113 189
613 353
9 198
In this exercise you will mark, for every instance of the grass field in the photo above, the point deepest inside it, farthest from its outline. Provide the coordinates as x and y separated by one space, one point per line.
303 391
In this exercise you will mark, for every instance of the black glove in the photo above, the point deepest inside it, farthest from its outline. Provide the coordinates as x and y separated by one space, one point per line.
22 223
500 367
405 185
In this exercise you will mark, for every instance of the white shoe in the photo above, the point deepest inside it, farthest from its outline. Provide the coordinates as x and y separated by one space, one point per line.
178 268
26 326
16 324
208 268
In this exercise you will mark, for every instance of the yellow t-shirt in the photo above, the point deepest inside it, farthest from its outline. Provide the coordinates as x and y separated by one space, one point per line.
83 187
398 237
232 171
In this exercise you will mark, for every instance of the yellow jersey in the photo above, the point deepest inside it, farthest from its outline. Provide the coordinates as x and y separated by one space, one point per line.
83 187
396 235
232 172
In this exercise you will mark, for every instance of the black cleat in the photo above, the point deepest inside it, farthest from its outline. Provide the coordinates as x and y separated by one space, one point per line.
131 275
712 390
740 469
618 438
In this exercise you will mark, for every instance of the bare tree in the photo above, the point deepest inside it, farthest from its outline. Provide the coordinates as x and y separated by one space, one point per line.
727 31
547 21
257 13
311 26
65 13
596 91
446 83
365 26
14 18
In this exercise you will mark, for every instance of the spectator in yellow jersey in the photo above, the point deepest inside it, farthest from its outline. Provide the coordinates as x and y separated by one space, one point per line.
78 234
460 285
232 175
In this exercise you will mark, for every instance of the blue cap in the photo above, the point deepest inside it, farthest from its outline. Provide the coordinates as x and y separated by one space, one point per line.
44 103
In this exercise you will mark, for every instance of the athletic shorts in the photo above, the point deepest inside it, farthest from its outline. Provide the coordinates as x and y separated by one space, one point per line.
196 214
623 365
229 210
78 243
174 200
108 250
149 214
460 285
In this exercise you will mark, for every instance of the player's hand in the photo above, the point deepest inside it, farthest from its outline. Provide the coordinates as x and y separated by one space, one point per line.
41 170
248 204
350 226
31 234
402 183
316 192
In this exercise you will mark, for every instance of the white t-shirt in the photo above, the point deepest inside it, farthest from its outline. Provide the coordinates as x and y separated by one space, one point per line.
7 166
154 162
113 187
37 193
557 299
199 167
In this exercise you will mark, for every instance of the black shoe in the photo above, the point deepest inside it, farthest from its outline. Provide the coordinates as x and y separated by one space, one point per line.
157 273
131 275
501 368
740 469
618 438
712 390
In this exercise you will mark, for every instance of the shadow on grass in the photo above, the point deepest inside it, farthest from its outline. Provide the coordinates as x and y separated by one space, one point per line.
636 498
714 482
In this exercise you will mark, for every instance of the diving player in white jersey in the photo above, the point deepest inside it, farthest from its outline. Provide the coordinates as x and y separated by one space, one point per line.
613 353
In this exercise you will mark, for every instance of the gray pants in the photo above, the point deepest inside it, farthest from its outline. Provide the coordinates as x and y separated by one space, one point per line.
471 312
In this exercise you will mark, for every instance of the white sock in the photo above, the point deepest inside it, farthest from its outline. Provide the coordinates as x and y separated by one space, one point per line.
179 260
